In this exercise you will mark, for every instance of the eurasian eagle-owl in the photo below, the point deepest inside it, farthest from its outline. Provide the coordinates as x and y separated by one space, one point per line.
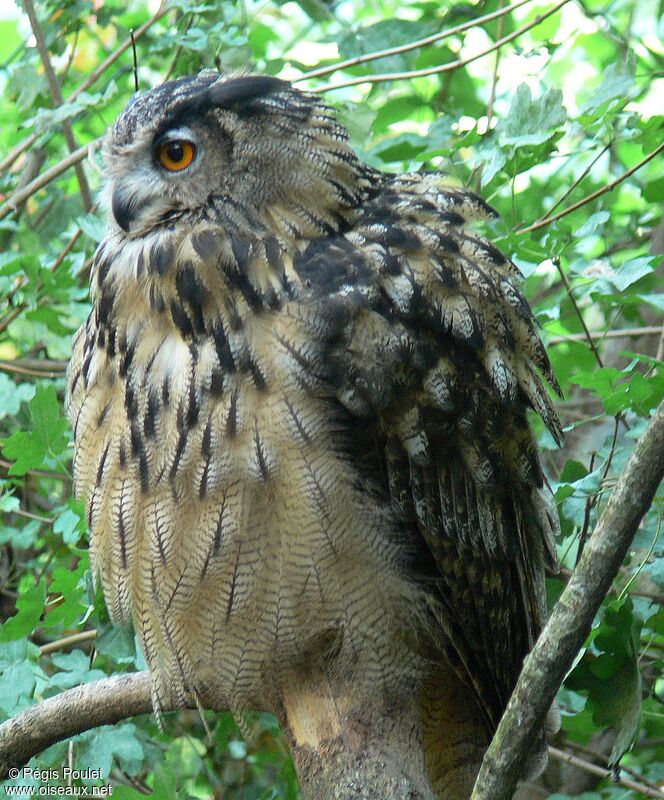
299 406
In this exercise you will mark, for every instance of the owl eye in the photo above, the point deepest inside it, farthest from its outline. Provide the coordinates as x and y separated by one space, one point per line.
176 155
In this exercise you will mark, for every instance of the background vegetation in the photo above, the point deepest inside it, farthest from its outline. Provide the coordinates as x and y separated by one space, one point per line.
553 112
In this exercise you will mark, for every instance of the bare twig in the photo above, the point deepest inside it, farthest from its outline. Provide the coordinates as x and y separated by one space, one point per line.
594 195
603 772
68 641
70 244
32 369
7 320
404 48
18 198
564 634
581 177
418 73
58 99
646 330
580 748
570 294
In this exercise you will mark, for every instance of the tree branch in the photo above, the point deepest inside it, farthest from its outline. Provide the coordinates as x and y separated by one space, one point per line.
618 333
74 711
603 772
545 668
418 73
594 195
404 48
18 198
58 99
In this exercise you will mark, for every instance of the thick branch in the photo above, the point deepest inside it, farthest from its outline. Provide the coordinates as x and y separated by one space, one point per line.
545 668
74 711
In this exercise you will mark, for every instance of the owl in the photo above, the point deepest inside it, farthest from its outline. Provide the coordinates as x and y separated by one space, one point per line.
299 405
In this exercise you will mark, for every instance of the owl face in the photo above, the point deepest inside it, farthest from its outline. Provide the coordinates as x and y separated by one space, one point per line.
176 148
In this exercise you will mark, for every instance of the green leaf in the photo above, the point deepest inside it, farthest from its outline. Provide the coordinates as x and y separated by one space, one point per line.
12 395
17 678
30 607
70 584
631 271
71 523
618 84
612 678
532 121
98 749
48 435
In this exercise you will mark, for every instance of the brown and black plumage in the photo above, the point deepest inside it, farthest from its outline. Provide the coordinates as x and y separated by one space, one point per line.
299 406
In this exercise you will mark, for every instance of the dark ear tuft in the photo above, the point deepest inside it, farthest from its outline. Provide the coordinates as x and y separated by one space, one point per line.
239 90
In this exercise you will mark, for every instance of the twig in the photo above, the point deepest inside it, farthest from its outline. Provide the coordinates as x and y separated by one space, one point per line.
603 758
404 48
19 369
654 598
68 641
9 318
571 619
581 177
646 330
18 198
494 77
594 195
570 294
58 99
39 473
70 244
27 143
418 73
37 517
602 772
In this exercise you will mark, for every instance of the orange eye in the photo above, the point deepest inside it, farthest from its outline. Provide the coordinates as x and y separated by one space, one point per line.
176 155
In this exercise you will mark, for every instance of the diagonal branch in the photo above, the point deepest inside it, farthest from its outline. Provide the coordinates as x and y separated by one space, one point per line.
404 48
564 634
418 73
74 711
58 99
594 195
19 197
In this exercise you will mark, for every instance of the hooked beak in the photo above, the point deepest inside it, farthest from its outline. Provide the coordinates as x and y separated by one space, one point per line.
124 207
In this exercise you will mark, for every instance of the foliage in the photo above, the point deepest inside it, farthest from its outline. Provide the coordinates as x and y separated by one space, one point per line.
540 126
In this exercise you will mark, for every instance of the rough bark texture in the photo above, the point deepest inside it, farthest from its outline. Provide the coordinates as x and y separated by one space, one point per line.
343 751
571 619
69 713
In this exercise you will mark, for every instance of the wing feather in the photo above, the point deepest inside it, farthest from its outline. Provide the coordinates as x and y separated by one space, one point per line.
440 356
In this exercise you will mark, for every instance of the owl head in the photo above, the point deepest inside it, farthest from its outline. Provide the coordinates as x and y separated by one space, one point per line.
250 141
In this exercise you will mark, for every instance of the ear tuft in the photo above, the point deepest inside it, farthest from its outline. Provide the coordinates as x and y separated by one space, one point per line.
231 93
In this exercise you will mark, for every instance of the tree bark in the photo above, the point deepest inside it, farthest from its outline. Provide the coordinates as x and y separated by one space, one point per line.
345 750
569 624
